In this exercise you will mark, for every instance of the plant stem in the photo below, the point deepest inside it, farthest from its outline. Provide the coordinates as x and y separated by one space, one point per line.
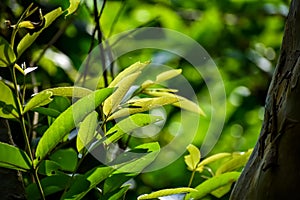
191 179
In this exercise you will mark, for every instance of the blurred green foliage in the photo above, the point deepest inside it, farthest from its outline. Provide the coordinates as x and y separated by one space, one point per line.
242 37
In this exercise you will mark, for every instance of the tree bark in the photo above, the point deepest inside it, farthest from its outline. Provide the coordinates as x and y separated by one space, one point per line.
11 183
273 170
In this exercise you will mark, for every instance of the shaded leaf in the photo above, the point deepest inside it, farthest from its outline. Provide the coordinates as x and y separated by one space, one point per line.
142 105
212 184
128 125
119 194
166 192
47 111
40 99
86 131
237 161
65 122
193 159
66 158
14 158
7 55
7 102
83 184
49 168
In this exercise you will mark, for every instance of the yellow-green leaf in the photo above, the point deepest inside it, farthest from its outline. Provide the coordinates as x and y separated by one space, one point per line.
40 99
77 92
238 160
86 131
7 102
73 6
111 103
168 75
211 159
182 102
166 192
193 158
142 105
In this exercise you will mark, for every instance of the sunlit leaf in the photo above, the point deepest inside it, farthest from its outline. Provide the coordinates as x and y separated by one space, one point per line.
77 92
86 131
83 184
162 77
7 102
14 158
126 126
182 102
166 192
136 67
221 191
40 99
65 122
212 184
142 105
73 6
28 39
193 158
66 158
112 102
211 159
237 161
7 55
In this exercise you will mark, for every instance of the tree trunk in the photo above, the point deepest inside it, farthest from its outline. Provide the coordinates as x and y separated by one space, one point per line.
273 170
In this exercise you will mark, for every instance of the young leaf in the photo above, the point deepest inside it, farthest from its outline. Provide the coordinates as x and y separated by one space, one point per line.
211 159
86 131
7 102
112 102
65 122
83 184
238 160
40 99
142 105
193 159
73 6
28 39
7 55
128 125
136 67
166 192
212 184
14 158
77 92
168 75
182 102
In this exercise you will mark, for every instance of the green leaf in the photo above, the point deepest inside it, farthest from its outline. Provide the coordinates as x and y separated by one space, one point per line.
28 39
66 158
7 55
119 194
193 159
128 125
83 184
142 105
49 168
112 102
86 131
212 184
238 160
14 158
77 92
222 190
136 67
40 99
47 111
7 102
73 6
50 185
65 122
211 159
136 162
115 181
166 192
182 102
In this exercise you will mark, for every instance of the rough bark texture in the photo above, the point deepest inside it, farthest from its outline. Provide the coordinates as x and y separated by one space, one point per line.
11 184
273 170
